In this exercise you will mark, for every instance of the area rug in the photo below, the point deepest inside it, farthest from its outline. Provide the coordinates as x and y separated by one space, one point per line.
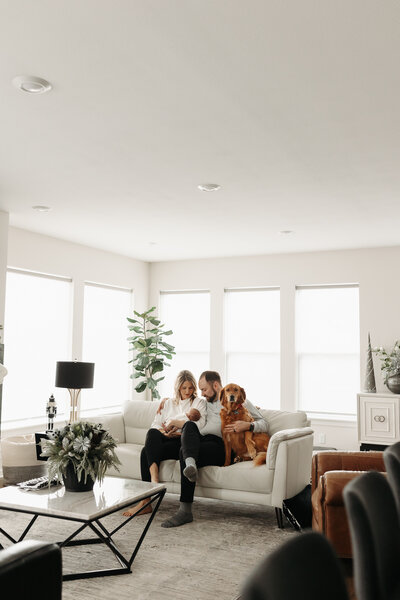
209 558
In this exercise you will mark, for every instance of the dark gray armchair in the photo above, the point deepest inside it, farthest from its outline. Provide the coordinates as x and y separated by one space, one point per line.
303 568
375 536
31 569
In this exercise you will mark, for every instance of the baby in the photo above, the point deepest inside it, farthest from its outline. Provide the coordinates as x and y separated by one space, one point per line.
193 415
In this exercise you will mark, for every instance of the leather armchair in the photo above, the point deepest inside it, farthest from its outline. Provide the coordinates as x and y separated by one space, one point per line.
32 569
331 472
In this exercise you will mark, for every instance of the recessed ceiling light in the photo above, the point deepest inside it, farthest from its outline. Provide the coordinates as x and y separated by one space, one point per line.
31 84
286 232
209 187
41 208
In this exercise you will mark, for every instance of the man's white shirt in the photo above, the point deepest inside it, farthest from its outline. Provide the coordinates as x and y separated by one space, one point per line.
213 424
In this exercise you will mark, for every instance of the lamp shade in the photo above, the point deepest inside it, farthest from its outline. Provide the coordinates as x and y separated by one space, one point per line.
74 375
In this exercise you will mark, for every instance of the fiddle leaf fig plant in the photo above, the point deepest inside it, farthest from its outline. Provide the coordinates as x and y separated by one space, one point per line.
150 350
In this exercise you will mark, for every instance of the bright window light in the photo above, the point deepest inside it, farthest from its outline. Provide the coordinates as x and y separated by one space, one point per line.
188 315
327 349
37 333
252 344
105 333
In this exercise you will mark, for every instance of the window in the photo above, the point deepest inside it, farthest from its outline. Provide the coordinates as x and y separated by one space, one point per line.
37 335
252 344
188 315
327 349
105 343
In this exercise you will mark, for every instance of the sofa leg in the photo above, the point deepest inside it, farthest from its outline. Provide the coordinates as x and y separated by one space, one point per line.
279 517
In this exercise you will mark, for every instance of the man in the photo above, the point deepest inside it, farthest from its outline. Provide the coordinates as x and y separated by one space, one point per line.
204 448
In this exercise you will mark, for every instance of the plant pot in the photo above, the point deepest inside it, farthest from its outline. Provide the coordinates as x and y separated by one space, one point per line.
393 383
73 485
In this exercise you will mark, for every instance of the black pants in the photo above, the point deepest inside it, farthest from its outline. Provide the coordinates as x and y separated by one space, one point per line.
206 450
156 448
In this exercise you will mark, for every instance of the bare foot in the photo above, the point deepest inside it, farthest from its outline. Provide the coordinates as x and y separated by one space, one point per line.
138 509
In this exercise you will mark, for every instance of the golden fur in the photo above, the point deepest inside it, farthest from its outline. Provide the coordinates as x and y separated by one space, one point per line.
246 445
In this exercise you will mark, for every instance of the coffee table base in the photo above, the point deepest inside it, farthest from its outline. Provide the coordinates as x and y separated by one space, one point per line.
103 537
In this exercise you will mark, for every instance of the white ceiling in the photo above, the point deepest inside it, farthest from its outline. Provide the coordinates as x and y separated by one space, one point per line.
292 106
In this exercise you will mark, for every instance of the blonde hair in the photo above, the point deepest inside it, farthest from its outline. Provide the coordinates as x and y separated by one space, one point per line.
180 380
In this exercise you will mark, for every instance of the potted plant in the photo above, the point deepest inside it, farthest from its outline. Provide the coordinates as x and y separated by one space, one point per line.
390 366
150 350
80 453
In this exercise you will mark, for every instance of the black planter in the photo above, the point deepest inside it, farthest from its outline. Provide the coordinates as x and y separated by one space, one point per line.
393 383
73 485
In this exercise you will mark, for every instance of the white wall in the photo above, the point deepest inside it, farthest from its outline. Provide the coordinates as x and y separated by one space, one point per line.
375 270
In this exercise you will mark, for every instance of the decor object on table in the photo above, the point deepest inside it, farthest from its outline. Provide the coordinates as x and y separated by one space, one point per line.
74 376
369 382
151 350
390 366
80 453
19 460
51 410
393 383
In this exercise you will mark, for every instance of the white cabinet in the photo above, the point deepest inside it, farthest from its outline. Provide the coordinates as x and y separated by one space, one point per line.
378 418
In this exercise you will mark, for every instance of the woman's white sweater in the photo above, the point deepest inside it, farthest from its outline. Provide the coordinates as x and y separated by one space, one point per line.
173 409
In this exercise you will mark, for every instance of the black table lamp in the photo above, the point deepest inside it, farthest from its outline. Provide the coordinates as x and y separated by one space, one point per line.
74 376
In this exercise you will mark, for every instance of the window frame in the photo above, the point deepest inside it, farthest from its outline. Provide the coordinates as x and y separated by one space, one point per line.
26 423
263 288
321 414
110 409
183 292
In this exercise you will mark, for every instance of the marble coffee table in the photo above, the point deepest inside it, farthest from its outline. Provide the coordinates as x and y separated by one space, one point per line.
86 508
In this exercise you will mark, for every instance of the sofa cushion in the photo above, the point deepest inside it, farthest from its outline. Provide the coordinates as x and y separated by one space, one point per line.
279 419
243 476
138 416
129 455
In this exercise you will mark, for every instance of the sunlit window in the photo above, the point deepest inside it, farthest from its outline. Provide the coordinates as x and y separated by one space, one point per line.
327 349
252 344
105 343
188 315
37 334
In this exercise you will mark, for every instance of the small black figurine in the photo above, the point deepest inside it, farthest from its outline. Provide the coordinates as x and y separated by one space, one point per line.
51 410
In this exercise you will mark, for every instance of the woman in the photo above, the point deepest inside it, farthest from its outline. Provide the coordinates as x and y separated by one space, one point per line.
163 439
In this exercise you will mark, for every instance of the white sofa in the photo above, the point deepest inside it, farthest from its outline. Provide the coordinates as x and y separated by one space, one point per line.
286 473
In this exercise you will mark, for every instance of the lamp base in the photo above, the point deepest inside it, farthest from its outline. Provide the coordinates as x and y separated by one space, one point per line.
75 407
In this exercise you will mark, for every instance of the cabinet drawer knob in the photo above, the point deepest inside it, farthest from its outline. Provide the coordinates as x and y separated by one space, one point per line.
379 418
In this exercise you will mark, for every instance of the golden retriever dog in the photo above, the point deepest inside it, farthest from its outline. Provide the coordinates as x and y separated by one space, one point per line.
246 445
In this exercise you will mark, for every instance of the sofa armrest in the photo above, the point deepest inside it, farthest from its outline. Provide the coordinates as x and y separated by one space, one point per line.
282 436
292 468
332 484
114 423
345 461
